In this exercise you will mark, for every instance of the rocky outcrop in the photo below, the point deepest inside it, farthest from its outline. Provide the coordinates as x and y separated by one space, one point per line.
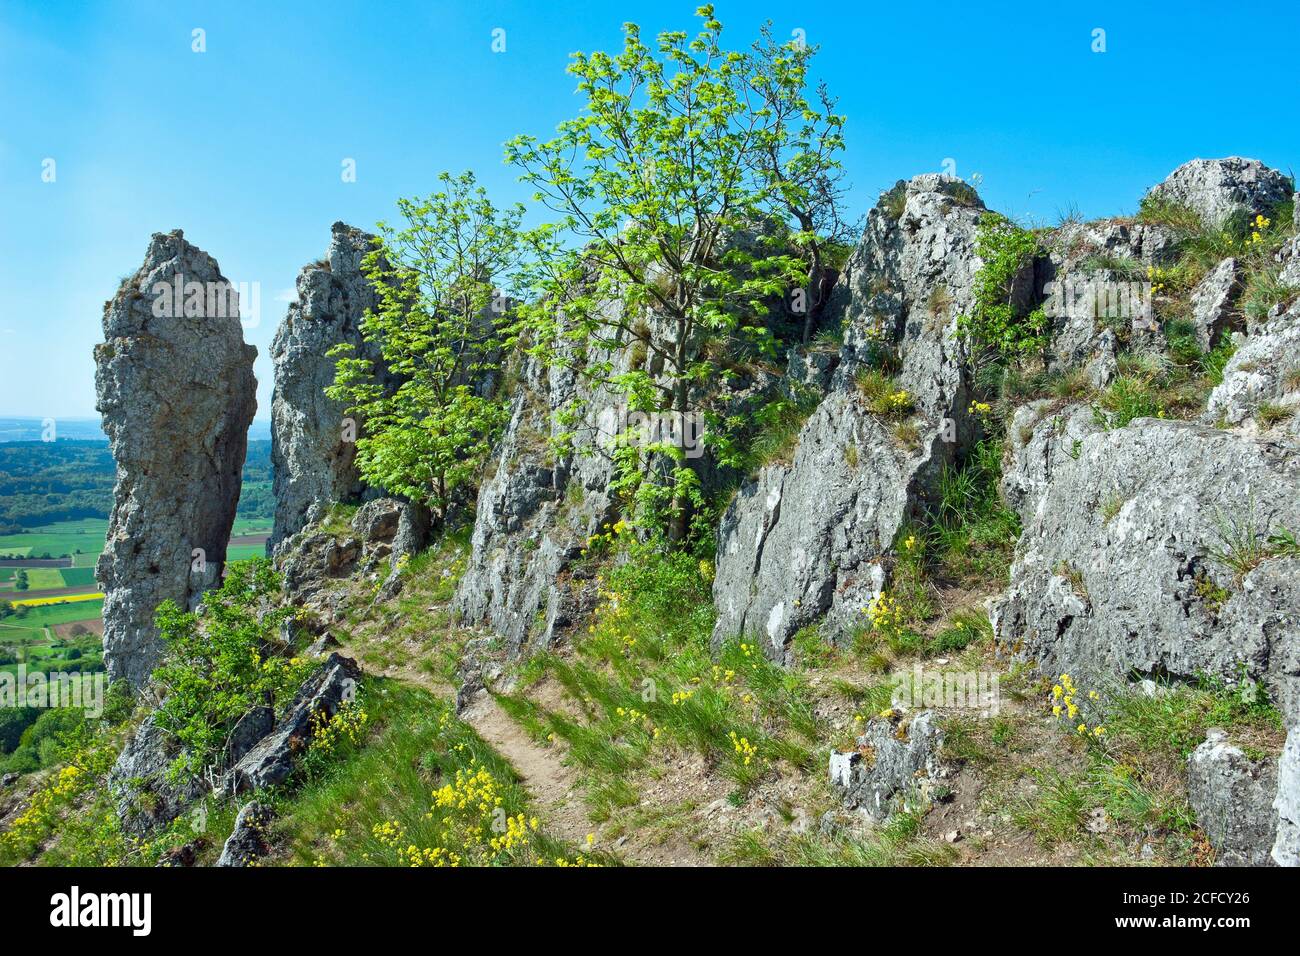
809 541
1232 797
247 842
174 383
275 756
1264 369
1087 278
549 491
146 794
318 561
896 766
538 509
1043 438
311 452
1212 301
1217 188
1132 562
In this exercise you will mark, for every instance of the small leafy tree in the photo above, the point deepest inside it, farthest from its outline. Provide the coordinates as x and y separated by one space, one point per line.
689 194
798 154
443 282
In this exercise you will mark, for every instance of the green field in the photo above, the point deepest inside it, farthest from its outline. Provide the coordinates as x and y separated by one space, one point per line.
59 540
79 577
24 635
40 653
67 538
242 552
40 579
38 618
251 526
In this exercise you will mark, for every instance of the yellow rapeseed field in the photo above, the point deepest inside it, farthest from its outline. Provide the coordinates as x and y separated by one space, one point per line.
61 599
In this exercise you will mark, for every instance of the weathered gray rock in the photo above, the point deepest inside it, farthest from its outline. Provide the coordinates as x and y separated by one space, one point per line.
1286 849
1043 438
1103 368
1088 280
145 795
1289 258
174 383
1212 301
537 511
1116 573
274 758
312 457
1218 188
247 842
1232 797
549 491
1265 368
248 730
377 520
809 540
893 768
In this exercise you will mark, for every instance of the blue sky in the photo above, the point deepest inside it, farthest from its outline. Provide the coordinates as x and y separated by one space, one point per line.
242 146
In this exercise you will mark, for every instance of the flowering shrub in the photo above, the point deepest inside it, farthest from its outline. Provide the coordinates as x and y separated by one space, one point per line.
87 760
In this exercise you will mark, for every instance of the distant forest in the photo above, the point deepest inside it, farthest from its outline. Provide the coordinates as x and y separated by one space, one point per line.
45 482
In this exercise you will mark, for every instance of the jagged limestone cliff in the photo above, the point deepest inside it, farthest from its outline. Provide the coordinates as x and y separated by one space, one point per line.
312 452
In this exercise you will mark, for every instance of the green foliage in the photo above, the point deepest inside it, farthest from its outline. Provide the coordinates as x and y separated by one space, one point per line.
215 669
973 531
884 397
353 813
681 150
13 722
1271 413
1127 398
778 424
996 324
1177 720
646 676
1215 361
1284 543
1264 291
1244 543
1158 210
899 842
963 629
440 327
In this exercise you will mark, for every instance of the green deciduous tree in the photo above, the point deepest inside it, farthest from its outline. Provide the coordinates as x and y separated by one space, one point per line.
443 281
690 193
